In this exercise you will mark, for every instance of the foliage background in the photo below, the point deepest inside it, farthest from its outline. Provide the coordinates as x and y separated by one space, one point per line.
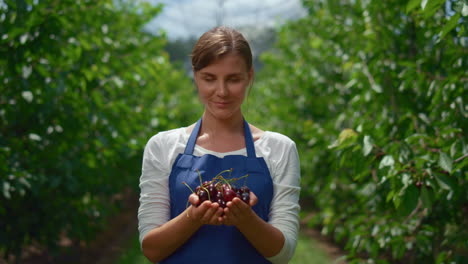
82 90
373 92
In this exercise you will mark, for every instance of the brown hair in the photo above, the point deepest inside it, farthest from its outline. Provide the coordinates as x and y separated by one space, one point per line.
218 42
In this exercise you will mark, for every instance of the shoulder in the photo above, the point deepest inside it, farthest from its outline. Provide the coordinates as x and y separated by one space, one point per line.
271 137
275 140
281 155
276 147
167 138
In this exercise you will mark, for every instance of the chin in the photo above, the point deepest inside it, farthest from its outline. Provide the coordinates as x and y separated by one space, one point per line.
222 115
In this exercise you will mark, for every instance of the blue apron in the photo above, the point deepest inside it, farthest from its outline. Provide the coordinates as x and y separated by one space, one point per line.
218 244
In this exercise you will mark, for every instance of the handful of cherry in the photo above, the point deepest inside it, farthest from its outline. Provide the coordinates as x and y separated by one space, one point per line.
221 190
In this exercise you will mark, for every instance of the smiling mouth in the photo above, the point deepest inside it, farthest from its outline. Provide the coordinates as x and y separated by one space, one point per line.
221 104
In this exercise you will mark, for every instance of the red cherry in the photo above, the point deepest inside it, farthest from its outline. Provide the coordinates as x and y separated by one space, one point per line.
206 183
202 196
245 197
229 194
245 189
221 203
213 192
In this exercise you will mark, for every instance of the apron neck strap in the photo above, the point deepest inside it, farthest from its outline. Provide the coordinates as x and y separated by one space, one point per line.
192 139
249 144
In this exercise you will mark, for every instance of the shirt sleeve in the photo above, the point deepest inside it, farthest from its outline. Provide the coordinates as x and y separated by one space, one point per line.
284 212
154 209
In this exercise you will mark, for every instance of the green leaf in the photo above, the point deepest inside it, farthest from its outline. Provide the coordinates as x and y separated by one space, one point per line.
423 4
406 179
6 190
409 200
396 201
415 138
427 196
405 153
387 161
334 144
450 25
368 145
346 138
445 162
441 258
412 5
376 87
390 195
430 7
460 165
444 182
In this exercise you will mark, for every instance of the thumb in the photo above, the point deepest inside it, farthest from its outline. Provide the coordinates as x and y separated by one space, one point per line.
193 199
253 199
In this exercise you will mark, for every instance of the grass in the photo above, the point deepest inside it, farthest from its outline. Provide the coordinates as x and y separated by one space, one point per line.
133 253
307 252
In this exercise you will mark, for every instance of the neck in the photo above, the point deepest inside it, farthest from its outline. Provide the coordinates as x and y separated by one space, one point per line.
211 125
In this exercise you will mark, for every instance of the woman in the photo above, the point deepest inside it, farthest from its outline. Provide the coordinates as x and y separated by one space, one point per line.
264 230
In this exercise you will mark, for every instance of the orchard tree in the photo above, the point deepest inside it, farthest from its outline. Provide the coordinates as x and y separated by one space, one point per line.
83 88
374 94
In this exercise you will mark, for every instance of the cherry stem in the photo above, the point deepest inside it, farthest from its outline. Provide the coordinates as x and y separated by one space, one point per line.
225 181
188 186
206 190
201 184
219 174
199 177
245 180
245 176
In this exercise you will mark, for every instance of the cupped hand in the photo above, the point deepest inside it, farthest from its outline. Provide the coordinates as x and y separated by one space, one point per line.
238 212
206 213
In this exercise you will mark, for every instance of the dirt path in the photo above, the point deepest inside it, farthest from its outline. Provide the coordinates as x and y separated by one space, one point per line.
326 244
114 241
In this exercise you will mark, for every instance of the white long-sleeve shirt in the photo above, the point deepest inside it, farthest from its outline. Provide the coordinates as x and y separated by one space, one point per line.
279 153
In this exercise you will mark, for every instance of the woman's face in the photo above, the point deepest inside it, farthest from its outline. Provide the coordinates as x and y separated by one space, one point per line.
222 86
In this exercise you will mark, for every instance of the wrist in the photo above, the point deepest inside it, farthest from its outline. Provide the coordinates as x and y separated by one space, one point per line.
248 222
191 218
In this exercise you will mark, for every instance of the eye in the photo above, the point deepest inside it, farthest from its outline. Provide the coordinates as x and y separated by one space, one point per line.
234 80
208 79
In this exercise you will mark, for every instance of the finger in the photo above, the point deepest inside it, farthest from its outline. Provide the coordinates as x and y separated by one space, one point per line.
253 199
228 210
215 219
193 199
200 210
232 214
227 220
237 205
210 212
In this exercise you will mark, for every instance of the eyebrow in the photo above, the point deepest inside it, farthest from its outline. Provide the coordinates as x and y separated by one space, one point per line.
207 74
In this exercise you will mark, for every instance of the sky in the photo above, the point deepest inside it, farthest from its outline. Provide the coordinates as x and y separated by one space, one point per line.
185 18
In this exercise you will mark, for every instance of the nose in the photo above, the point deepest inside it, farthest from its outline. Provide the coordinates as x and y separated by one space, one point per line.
222 89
